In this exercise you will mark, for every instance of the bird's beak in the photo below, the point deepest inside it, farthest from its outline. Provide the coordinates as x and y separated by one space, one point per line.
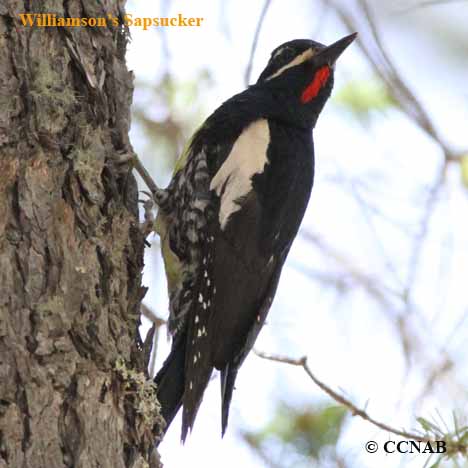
331 53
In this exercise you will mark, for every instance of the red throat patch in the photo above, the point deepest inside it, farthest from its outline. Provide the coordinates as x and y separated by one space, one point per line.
320 78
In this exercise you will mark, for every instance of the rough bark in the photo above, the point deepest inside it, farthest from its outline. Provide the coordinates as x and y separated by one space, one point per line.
71 252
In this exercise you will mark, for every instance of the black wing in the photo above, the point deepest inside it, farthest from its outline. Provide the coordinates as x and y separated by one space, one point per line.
251 249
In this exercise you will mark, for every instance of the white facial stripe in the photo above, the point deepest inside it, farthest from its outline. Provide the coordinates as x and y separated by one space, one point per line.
247 157
301 58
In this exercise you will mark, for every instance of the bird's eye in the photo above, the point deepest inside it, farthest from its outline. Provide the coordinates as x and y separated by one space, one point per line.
288 55
282 57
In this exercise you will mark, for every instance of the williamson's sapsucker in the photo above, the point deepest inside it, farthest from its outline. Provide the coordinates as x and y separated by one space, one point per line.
229 217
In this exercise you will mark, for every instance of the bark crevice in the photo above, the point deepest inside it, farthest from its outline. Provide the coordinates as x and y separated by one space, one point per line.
71 251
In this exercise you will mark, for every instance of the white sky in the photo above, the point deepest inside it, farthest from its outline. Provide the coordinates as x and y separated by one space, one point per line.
350 343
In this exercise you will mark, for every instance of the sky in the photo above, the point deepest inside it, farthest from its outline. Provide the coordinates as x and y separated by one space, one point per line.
371 183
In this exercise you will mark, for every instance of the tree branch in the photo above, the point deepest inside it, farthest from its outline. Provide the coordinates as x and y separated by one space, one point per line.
248 70
379 59
454 447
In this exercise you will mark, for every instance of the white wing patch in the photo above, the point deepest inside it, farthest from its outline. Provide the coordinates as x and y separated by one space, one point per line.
247 158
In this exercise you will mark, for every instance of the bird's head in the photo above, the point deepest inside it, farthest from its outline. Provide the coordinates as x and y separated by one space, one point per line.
300 75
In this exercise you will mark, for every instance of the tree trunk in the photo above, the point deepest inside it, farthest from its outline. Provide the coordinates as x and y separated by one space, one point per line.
72 389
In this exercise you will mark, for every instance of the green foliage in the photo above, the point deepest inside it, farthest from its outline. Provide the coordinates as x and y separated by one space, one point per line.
310 430
456 440
181 95
171 118
364 97
304 434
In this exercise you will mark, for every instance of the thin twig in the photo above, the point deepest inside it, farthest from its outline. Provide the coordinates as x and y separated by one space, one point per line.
302 362
378 291
380 60
366 213
150 315
410 103
152 366
419 241
157 324
145 175
131 158
248 70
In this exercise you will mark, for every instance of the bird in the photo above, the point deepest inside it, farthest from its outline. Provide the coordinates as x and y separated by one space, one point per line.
228 218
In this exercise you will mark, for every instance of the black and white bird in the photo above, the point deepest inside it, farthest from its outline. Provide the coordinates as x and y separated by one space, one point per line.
229 217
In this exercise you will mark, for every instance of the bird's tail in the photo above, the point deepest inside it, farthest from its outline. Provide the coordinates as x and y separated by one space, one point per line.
170 381
180 383
228 378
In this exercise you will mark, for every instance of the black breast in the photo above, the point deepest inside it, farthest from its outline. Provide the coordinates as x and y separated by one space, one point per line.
285 186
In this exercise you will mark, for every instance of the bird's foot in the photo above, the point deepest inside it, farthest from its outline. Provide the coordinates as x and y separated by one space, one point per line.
148 225
124 159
